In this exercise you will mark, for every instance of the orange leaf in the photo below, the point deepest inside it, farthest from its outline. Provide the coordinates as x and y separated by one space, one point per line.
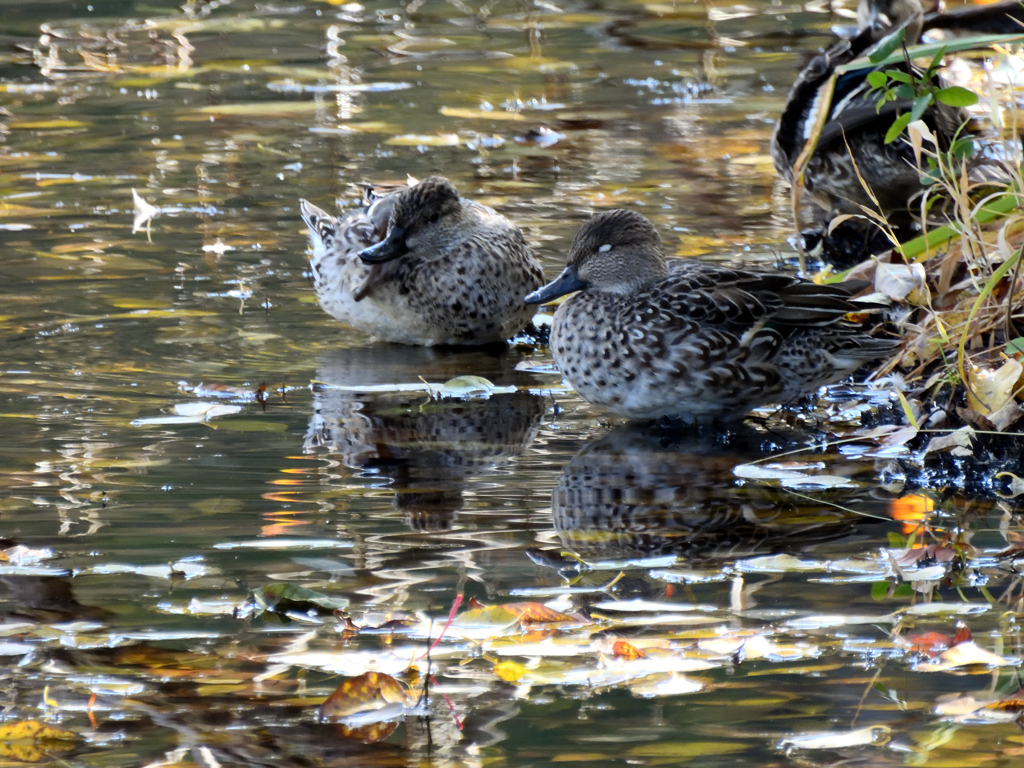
963 633
929 642
537 613
625 650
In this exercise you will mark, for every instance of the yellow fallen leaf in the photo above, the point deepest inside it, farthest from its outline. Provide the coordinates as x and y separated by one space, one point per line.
45 124
510 671
32 741
267 108
990 390
416 140
493 114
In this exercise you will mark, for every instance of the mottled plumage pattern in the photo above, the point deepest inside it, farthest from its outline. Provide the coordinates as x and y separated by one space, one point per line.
646 338
458 275
642 491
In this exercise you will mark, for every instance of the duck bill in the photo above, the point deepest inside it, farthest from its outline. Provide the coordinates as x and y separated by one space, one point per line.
391 247
567 282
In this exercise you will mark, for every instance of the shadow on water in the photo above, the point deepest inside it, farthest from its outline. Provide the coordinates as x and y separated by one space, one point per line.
423 448
642 491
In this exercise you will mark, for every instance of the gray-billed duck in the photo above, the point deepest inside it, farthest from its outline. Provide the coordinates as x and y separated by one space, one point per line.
423 266
646 337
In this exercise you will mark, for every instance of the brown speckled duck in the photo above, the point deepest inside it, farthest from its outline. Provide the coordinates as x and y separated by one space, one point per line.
648 338
423 266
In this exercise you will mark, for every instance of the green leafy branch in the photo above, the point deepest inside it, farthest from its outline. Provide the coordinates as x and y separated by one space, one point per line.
911 85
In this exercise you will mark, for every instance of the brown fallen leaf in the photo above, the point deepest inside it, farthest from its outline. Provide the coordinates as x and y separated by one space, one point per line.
537 613
368 692
624 650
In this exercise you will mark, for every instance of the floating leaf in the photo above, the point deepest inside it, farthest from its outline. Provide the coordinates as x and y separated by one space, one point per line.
537 613
493 619
495 114
417 140
991 390
665 684
623 650
510 671
778 564
468 386
261 108
144 213
369 692
682 750
32 741
967 654
190 413
1016 485
875 734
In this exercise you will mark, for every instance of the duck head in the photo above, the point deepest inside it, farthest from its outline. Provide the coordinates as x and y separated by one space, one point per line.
887 15
417 210
615 252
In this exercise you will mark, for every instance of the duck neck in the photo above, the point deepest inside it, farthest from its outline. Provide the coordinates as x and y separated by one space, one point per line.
648 268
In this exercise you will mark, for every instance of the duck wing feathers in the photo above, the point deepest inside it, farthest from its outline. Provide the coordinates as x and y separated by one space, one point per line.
735 300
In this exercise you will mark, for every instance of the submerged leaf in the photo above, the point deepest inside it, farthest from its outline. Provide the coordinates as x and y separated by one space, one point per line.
288 597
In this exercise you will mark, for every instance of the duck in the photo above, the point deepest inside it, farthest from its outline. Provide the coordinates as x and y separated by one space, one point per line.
423 266
851 145
851 152
651 338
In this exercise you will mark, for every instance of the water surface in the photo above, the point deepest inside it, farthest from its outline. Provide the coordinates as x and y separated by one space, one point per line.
133 546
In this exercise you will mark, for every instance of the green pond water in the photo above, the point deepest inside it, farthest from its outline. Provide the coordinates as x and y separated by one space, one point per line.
718 603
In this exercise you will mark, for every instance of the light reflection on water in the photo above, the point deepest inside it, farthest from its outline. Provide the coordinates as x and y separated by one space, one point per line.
153 536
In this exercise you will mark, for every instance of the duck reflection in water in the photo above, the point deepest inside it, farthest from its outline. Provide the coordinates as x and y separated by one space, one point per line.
642 492
427 448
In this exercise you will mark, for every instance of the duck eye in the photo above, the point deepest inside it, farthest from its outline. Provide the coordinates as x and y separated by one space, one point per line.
604 248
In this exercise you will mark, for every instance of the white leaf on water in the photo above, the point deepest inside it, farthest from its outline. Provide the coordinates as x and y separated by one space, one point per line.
826 620
875 734
778 564
790 475
952 609
468 386
461 387
144 213
665 684
190 413
630 606
966 654
276 543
